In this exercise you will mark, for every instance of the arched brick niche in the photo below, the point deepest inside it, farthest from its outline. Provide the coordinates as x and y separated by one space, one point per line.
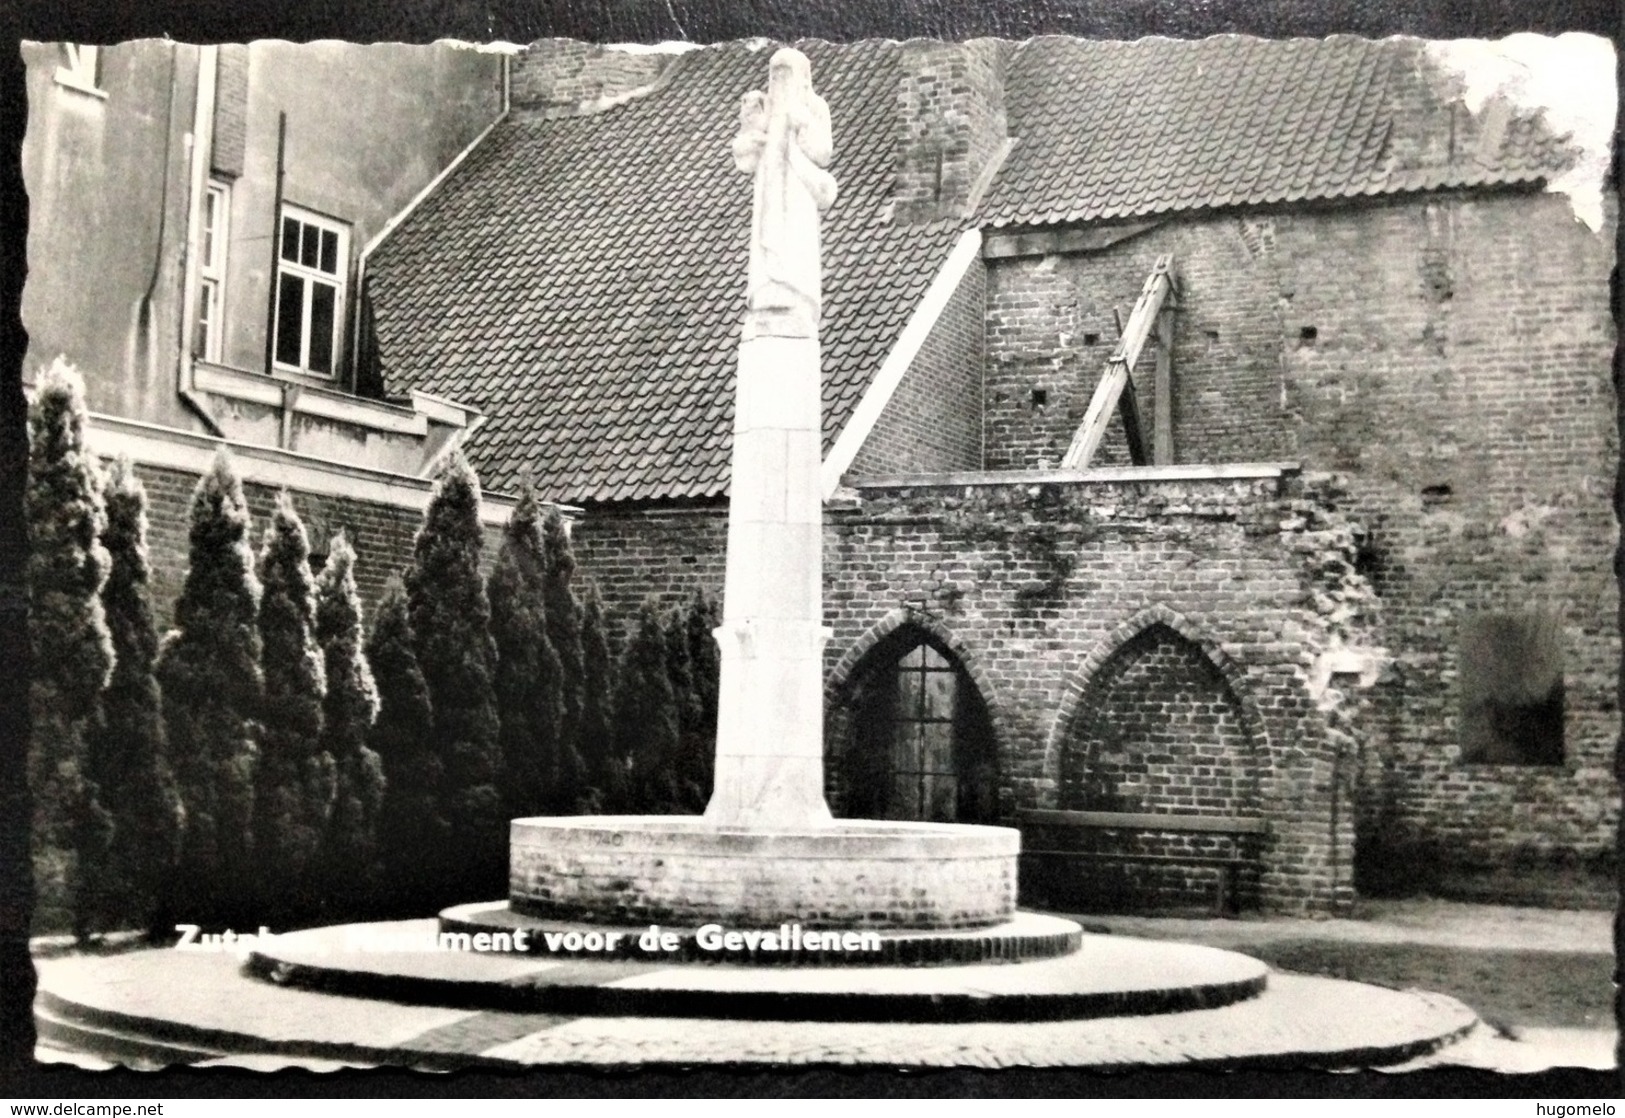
909 732
1159 729
1157 725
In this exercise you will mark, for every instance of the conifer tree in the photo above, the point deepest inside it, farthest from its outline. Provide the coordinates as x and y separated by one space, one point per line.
698 713
528 683
564 632
294 780
414 836
349 860
451 619
127 755
685 701
71 645
604 782
646 727
209 670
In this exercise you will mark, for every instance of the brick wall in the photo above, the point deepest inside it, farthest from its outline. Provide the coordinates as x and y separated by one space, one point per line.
1450 357
564 73
951 120
230 109
1051 329
633 554
1160 730
1041 591
381 534
933 421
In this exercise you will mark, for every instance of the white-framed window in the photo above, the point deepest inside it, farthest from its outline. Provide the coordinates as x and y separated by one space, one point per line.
313 264
80 68
211 290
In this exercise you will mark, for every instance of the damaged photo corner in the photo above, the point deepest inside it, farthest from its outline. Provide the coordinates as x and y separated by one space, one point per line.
1062 554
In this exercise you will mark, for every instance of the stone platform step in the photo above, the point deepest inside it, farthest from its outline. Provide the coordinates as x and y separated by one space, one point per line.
1028 936
73 1028
1108 976
205 1002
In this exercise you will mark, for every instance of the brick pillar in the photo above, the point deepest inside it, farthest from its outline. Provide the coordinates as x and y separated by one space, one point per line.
952 126
563 74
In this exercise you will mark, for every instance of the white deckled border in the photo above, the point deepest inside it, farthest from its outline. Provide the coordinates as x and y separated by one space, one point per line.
864 417
167 447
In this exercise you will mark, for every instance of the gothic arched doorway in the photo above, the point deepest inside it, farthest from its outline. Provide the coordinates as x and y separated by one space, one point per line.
911 738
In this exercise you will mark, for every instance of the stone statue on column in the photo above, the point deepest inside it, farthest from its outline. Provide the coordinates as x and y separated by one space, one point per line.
784 140
770 707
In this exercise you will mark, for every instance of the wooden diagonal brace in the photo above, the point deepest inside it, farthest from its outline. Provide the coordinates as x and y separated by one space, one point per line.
1116 388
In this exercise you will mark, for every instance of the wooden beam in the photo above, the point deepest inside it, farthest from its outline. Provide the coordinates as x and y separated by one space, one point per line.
1128 407
1162 453
1117 382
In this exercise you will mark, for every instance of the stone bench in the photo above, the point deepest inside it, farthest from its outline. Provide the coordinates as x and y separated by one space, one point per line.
1231 852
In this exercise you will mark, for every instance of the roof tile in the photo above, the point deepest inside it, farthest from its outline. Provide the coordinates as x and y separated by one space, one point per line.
580 279
614 244
1118 130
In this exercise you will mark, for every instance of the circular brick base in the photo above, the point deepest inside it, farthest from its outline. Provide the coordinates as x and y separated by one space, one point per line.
680 869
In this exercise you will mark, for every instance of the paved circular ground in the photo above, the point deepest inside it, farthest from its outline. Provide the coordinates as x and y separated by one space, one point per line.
196 1007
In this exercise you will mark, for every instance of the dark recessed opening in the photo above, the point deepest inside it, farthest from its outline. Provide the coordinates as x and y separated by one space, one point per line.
1308 334
1511 680
1040 397
1091 339
1212 335
1434 494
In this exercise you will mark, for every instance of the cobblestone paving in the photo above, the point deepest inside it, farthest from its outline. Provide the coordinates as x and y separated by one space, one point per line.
1306 1021
1426 921
1309 1021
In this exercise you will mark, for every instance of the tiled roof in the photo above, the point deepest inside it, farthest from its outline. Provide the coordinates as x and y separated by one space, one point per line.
1122 130
581 279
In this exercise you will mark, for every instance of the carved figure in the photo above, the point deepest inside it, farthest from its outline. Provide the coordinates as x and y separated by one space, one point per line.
784 140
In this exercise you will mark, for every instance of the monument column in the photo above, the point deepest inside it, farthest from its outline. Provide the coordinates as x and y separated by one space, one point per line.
770 739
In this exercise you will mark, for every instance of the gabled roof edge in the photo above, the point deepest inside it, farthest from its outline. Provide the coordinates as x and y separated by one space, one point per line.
872 404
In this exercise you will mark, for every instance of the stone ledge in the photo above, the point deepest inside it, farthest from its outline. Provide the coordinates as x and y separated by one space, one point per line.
1237 471
1110 976
1026 937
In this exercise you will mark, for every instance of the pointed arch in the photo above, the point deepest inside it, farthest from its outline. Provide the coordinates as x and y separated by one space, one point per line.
869 739
897 619
1107 648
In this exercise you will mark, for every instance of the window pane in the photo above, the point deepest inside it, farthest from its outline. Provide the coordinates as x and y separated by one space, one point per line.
905 750
211 203
933 658
936 747
941 799
205 315
308 250
323 301
290 239
290 314
330 251
939 695
910 703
